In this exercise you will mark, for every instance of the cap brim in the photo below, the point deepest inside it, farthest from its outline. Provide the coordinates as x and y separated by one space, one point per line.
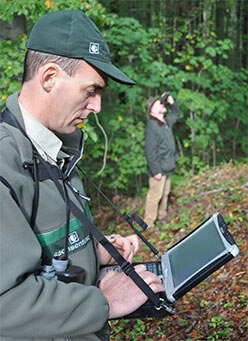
111 70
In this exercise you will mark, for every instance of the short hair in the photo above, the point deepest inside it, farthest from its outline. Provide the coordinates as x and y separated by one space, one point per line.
149 103
35 59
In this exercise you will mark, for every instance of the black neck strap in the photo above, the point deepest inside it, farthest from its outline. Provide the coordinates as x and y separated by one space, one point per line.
9 118
127 267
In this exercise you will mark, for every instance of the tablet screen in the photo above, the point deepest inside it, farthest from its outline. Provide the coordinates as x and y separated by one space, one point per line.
194 252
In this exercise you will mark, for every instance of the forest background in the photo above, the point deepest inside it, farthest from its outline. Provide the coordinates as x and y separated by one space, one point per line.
197 50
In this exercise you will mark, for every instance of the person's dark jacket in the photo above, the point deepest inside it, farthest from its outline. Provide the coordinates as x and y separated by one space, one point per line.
160 148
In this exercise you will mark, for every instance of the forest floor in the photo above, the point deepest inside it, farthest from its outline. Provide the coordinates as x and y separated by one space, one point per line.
217 308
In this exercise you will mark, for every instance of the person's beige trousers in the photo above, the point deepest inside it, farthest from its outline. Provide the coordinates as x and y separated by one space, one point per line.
157 199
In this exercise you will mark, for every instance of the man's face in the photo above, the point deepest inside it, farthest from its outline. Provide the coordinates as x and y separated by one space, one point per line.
75 98
158 108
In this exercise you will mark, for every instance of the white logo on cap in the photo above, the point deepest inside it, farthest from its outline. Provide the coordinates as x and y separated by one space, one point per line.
94 48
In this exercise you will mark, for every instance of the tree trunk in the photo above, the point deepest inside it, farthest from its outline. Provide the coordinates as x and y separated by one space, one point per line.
234 143
219 22
238 32
192 141
214 153
244 58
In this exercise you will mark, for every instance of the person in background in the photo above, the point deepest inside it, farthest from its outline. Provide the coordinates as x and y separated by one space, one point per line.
66 68
161 155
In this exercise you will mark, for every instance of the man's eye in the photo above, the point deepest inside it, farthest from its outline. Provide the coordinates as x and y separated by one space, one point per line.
91 93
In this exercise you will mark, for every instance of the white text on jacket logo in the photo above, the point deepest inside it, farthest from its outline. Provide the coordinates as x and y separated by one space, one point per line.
81 243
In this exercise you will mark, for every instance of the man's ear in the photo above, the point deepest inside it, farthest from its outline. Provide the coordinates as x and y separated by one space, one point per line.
48 75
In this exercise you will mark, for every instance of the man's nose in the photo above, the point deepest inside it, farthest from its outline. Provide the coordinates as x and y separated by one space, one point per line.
95 104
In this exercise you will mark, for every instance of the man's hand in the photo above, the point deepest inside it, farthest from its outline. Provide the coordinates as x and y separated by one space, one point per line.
123 295
127 246
169 99
158 176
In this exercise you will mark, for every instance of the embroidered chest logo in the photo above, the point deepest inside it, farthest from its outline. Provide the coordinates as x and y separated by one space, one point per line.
73 238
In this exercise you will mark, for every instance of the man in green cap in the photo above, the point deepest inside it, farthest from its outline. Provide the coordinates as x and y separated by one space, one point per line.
67 66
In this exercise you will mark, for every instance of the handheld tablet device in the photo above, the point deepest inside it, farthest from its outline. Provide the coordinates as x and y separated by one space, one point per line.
196 256
189 261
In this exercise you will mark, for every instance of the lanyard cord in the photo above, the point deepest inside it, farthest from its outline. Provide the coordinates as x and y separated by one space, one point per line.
36 191
8 117
67 226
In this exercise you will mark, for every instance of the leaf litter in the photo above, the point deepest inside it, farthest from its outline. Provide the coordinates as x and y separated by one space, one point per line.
217 308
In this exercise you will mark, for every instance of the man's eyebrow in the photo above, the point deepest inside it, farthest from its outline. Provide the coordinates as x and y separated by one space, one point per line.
97 86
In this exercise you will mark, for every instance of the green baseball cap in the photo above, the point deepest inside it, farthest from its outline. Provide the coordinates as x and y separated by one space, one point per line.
72 34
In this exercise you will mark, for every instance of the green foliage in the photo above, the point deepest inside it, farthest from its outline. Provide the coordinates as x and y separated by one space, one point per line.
34 9
243 299
12 54
125 158
222 329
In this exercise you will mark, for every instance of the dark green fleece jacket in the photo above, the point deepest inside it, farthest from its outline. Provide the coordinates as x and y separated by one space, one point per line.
32 307
160 148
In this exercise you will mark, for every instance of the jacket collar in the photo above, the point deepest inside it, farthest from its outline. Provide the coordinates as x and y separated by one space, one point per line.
73 144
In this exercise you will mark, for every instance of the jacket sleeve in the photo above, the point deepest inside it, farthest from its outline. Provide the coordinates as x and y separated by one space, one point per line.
174 115
151 148
31 306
